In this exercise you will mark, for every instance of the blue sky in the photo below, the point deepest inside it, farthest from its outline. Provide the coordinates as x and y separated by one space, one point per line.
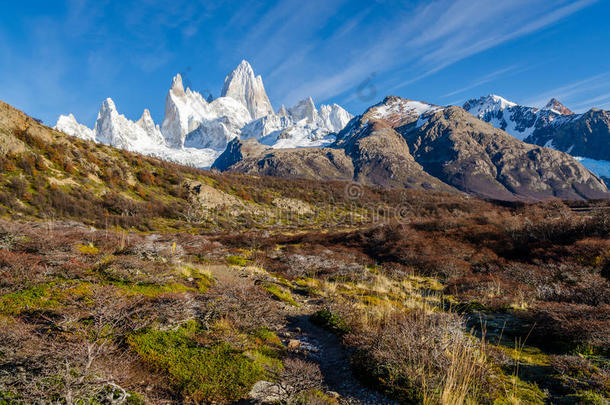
68 56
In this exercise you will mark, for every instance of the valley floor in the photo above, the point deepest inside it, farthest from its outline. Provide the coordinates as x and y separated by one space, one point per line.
382 314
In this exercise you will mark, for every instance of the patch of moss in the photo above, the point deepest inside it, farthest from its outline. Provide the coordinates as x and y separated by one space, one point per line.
280 293
215 373
264 336
88 249
44 296
151 290
526 355
135 399
314 397
203 278
517 391
8 398
236 260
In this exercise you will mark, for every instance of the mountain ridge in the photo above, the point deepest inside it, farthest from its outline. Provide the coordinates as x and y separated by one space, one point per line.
584 135
412 144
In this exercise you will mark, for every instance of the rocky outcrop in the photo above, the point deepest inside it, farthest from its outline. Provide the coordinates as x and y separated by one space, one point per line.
250 157
556 106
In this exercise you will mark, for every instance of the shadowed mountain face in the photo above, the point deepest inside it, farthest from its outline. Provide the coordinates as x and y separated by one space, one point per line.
250 157
586 135
404 143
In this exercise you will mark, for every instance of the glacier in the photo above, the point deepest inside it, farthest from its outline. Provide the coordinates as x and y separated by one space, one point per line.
195 131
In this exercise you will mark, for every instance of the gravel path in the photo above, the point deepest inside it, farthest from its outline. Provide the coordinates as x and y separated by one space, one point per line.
325 349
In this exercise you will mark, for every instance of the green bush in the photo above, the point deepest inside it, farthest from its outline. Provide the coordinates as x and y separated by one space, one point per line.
324 318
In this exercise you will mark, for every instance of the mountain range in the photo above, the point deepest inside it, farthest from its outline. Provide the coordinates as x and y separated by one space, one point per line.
405 143
489 147
585 136
196 130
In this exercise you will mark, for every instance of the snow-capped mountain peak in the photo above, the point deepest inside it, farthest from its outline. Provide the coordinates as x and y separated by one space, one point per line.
487 104
112 128
396 109
282 111
69 125
242 85
304 110
195 130
557 107
177 86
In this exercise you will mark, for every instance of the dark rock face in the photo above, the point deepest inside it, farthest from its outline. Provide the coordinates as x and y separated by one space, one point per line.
586 135
250 157
236 151
479 159
403 143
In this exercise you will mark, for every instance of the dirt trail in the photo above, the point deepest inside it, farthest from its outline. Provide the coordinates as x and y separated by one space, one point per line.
317 345
333 359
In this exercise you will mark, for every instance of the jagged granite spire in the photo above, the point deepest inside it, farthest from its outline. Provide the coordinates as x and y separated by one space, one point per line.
242 85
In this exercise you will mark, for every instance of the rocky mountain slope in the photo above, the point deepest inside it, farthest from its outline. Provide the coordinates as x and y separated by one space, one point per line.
582 135
195 130
405 143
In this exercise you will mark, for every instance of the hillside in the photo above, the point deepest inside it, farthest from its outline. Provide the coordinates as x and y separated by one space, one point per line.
47 174
129 280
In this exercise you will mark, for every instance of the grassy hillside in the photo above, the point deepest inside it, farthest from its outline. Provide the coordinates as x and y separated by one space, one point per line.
124 279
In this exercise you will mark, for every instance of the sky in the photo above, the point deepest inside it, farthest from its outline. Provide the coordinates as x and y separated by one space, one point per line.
67 56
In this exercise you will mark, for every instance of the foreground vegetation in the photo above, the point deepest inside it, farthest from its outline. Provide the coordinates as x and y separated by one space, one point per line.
128 280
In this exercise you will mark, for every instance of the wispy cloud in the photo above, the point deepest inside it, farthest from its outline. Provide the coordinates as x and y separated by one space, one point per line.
492 77
594 101
415 41
469 27
483 80
319 48
572 90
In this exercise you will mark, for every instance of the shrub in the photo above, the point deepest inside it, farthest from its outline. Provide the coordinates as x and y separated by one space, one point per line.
146 177
18 185
324 318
